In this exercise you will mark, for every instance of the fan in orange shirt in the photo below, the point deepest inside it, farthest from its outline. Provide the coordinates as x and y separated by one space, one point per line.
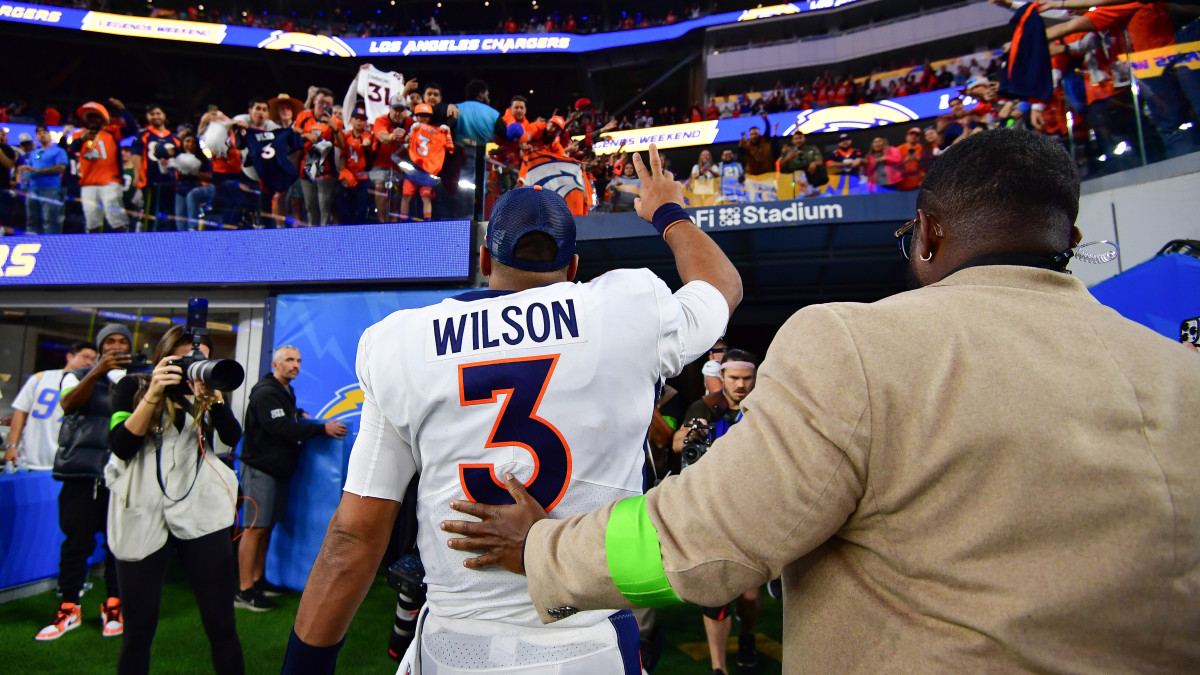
358 145
545 135
100 171
389 131
427 148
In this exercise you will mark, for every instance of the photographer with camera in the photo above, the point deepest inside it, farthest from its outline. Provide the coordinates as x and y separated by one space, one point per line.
168 490
707 420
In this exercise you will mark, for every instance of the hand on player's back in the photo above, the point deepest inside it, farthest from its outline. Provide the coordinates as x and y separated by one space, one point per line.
501 532
658 186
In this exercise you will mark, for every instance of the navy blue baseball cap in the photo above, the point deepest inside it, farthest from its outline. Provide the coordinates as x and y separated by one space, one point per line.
531 209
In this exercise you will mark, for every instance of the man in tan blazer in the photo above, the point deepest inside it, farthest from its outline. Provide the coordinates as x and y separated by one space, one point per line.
993 472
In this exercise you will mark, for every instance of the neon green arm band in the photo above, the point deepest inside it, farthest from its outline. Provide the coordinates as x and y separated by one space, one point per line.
117 418
634 556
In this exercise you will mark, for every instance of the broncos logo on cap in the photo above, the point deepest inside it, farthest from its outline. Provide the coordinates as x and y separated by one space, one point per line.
306 43
847 117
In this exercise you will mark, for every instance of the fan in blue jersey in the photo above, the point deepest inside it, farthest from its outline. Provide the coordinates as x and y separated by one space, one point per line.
268 152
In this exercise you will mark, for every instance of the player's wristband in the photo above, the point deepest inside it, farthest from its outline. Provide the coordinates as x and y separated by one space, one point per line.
667 215
304 659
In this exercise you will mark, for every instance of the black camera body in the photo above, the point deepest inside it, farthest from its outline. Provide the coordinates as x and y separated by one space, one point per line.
694 449
216 374
139 363
407 577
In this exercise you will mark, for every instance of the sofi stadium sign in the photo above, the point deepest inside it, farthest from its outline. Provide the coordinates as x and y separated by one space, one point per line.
903 110
263 38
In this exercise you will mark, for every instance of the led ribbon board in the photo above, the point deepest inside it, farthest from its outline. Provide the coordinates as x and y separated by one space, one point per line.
903 110
411 251
264 38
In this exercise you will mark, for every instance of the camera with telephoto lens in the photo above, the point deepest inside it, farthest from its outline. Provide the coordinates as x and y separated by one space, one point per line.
694 448
407 576
216 374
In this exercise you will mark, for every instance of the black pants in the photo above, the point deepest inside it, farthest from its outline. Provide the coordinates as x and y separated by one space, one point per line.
82 512
208 565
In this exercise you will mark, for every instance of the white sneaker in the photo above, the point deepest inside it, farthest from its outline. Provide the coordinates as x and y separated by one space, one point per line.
110 615
68 617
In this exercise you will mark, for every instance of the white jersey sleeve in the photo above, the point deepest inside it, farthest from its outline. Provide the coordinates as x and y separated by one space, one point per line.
690 321
381 462
349 101
25 398
69 382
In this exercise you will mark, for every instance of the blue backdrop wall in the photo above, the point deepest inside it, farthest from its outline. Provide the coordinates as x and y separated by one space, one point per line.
1159 293
325 327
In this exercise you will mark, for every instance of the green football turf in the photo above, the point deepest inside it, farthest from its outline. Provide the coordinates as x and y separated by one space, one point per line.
181 647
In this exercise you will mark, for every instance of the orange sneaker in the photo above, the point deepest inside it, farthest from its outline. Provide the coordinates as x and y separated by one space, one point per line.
110 616
68 617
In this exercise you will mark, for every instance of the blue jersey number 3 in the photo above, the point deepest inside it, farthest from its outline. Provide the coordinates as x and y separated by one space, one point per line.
524 382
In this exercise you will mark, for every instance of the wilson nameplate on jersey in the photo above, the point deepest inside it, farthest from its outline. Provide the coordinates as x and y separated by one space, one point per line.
524 321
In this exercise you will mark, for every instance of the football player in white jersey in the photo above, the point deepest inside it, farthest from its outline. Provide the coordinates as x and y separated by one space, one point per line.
36 411
550 381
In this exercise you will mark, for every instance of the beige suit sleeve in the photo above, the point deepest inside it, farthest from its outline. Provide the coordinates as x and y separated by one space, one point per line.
777 485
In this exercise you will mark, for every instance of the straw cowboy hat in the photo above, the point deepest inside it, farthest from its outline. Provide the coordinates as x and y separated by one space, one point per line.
284 100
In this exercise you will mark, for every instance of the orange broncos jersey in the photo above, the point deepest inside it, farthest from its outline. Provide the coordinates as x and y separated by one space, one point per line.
355 152
428 145
100 158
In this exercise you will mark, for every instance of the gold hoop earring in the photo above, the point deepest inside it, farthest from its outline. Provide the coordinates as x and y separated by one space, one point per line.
927 257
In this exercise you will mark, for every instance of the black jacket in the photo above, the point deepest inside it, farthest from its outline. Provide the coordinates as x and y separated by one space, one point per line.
83 437
274 430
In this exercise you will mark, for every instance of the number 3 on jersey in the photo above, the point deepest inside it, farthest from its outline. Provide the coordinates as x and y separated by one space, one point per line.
524 382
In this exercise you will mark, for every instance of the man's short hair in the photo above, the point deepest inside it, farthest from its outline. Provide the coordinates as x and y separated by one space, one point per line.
323 91
475 88
520 98
1006 190
536 247
281 349
255 100
40 127
956 98
152 107
81 345
433 85
740 355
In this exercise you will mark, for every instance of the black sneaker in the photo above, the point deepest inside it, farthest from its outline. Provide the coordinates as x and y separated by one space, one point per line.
269 589
253 600
747 654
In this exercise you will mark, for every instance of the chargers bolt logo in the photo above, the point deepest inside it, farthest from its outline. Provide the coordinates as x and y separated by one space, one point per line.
307 44
849 117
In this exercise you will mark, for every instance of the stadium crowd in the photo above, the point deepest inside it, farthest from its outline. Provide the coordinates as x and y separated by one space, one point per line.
288 161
